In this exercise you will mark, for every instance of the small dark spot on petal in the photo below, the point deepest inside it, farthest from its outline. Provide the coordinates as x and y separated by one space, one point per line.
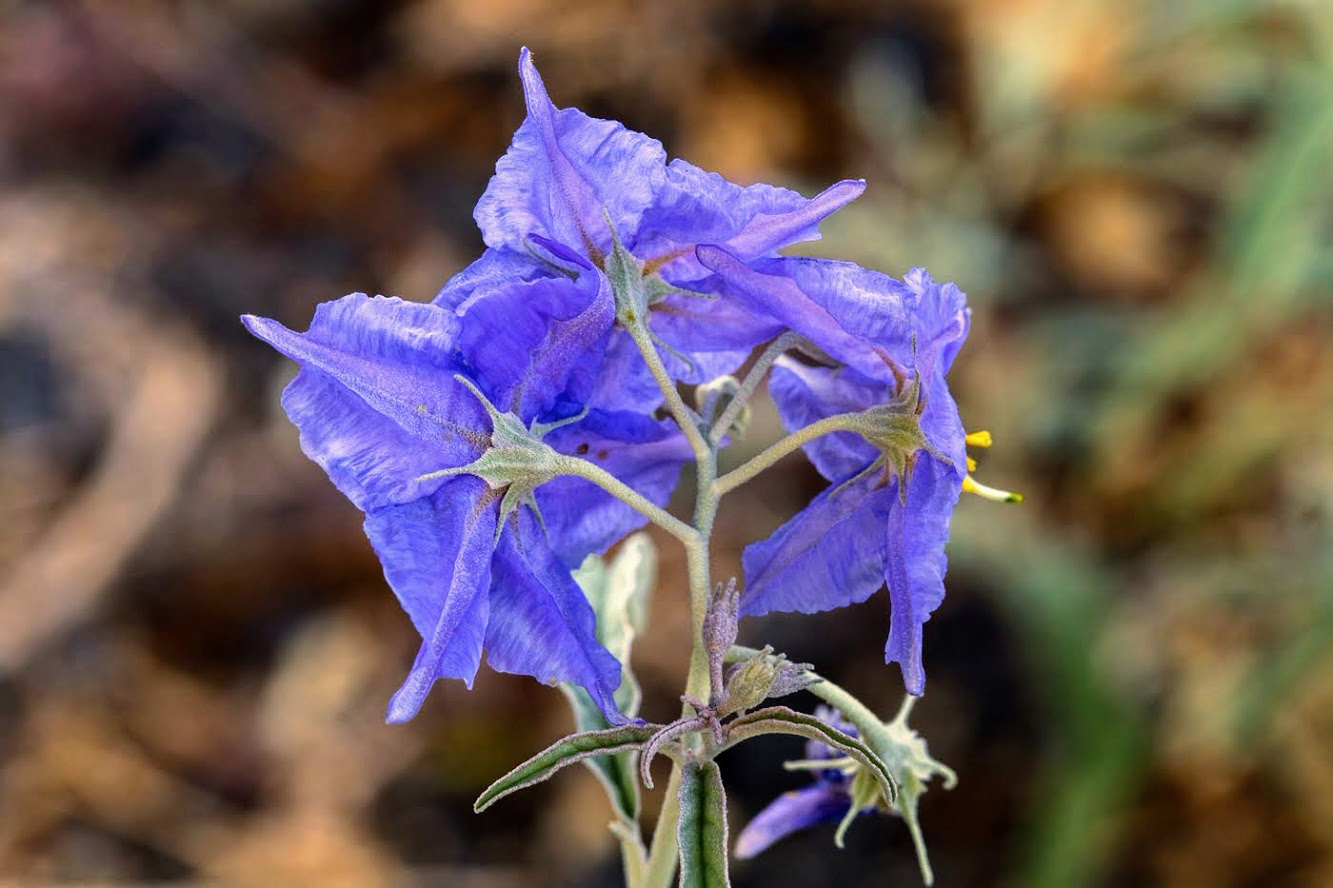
582 448
602 454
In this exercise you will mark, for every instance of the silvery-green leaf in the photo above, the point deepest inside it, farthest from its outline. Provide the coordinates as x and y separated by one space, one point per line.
615 772
633 575
781 720
702 830
566 751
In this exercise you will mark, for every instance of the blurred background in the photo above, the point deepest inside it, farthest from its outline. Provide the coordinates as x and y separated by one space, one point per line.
1132 673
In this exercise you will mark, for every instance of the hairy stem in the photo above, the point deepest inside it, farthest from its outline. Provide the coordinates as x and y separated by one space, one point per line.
680 411
663 854
842 422
771 353
698 685
589 471
633 856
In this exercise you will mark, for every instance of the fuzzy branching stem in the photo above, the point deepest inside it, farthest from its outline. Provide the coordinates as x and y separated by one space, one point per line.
662 856
686 418
842 422
771 353
589 471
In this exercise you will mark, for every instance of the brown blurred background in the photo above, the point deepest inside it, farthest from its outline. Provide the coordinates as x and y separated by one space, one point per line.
1132 672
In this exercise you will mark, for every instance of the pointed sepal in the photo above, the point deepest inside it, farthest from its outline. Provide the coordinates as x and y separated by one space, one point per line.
905 751
517 460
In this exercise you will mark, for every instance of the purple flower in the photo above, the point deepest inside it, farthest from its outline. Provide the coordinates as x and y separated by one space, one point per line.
571 187
381 407
827 800
885 519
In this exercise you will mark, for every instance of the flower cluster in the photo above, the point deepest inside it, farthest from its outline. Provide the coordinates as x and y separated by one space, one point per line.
498 435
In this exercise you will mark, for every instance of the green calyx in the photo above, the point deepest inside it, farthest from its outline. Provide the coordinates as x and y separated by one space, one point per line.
627 284
906 755
866 796
636 285
895 430
749 684
764 676
517 461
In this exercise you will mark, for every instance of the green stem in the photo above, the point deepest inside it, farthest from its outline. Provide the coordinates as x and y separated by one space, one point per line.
842 422
698 683
589 471
775 350
705 507
662 856
867 722
633 856
686 418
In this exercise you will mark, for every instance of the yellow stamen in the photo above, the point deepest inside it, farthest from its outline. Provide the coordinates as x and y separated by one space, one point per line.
970 485
971 464
979 439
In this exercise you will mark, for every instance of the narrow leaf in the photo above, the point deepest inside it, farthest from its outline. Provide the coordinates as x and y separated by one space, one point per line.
781 720
702 829
567 751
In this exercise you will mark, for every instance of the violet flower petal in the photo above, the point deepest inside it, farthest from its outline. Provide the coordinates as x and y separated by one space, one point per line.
790 813
436 553
831 554
376 402
914 569
694 206
540 621
566 175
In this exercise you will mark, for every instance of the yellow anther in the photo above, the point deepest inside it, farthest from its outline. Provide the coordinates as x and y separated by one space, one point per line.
979 439
970 485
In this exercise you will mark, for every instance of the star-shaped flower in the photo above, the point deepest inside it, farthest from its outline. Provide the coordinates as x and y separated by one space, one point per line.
885 519
388 409
571 188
